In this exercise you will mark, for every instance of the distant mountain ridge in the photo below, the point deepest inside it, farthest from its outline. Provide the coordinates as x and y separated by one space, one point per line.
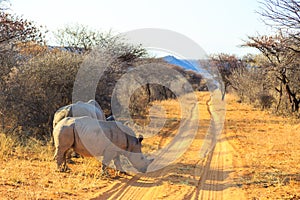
186 64
193 65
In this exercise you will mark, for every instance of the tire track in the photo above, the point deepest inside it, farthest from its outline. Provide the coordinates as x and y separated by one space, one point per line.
215 181
212 173
149 185
138 187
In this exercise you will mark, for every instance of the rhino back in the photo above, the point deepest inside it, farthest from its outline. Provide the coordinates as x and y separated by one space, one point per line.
99 111
94 137
86 109
122 136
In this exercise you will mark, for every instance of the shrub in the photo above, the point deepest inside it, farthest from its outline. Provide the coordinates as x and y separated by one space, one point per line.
266 100
37 88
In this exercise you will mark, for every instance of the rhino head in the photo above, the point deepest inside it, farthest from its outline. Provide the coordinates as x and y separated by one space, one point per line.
137 158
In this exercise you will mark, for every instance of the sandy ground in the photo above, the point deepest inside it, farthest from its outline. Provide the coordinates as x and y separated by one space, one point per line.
215 181
256 157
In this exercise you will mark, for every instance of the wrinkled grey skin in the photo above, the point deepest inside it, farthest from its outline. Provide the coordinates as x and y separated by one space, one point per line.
90 137
79 109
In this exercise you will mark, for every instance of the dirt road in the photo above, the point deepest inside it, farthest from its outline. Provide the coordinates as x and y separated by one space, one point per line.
213 178
189 177
217 174
256 157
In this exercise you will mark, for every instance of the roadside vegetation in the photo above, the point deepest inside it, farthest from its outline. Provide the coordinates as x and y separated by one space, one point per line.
262 92
269 80
265 160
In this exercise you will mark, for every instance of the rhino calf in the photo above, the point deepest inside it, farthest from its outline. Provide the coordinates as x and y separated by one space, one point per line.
92 137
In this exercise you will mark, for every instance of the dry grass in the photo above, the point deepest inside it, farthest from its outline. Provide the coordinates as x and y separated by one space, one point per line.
269 148
28 172
6 145
266 159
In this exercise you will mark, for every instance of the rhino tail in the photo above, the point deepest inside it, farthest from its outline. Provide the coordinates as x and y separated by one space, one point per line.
74 135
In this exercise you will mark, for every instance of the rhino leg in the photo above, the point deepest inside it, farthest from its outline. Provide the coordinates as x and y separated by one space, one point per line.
108 156
119 168
71 154
117 163
60 157
61 153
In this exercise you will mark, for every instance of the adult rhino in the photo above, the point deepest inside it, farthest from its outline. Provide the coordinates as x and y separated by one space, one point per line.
91 137
91 109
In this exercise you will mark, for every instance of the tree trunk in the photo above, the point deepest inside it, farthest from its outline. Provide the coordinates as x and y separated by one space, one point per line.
2 121
292 95
280 96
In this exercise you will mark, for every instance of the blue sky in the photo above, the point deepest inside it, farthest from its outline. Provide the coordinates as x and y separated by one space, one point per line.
218 26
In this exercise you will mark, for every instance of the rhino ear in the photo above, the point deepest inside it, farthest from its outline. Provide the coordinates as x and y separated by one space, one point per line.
140 138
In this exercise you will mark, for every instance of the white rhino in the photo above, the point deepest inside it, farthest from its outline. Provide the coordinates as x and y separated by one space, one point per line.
79 109
91 137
